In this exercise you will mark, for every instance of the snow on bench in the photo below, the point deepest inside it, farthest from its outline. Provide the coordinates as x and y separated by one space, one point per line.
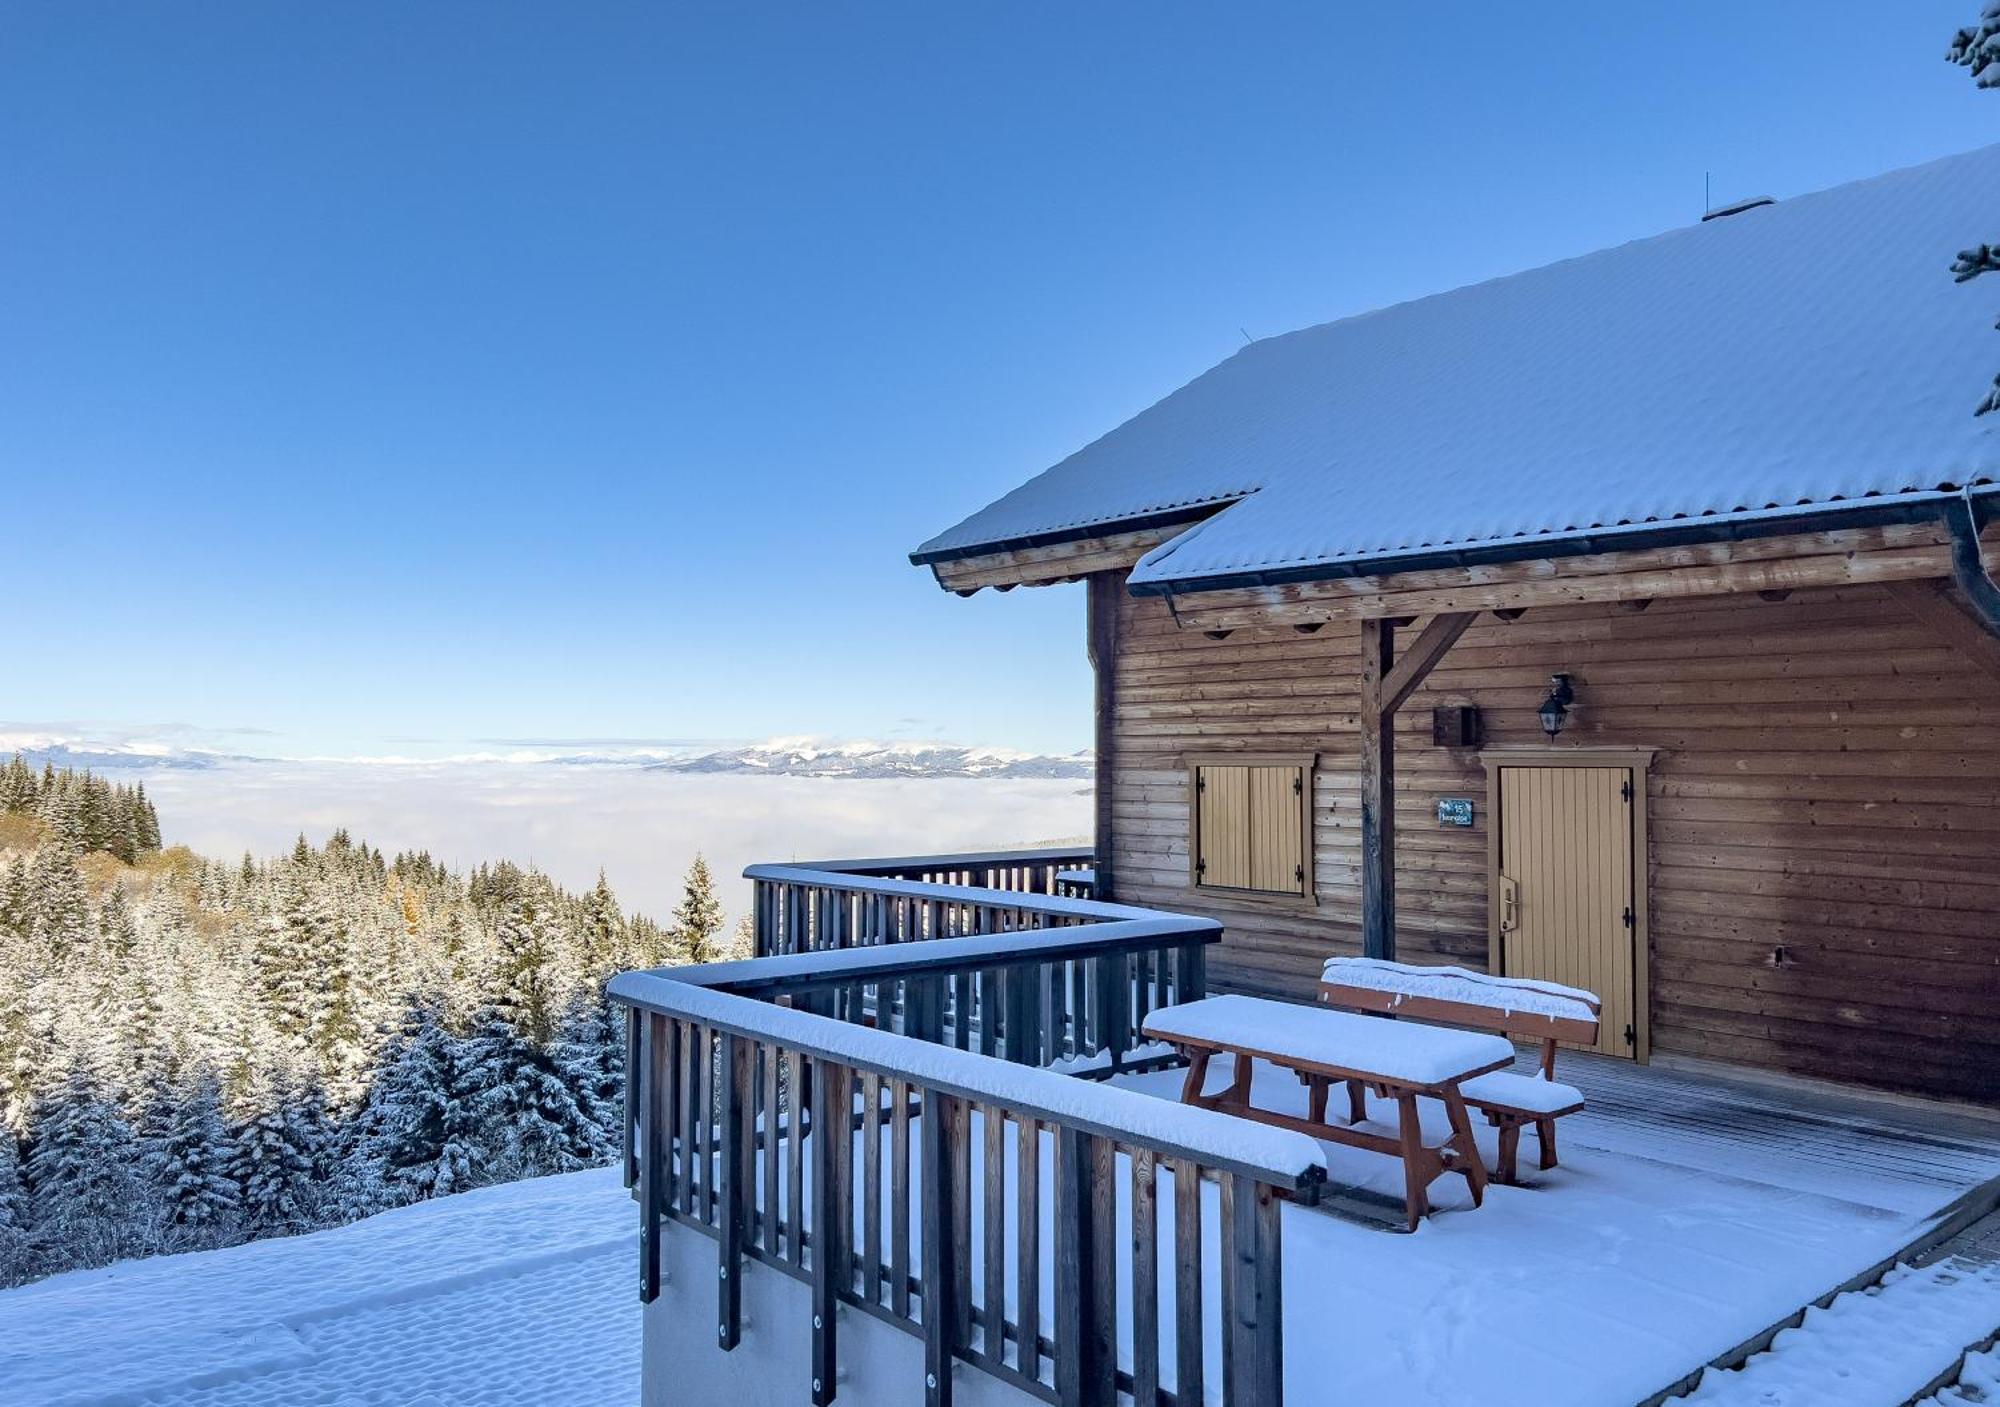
1281 1031
1510 995
1527 1006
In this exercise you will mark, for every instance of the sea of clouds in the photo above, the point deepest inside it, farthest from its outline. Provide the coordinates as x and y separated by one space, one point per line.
641 827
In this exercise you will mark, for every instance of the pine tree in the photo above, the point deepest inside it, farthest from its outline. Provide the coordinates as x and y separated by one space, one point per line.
603 938
278 1141
82 1166
1977 49
14 1243
195 1160
426 1125
59 912
698 921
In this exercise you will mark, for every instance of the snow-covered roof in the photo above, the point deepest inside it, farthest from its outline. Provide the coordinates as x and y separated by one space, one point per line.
1797 355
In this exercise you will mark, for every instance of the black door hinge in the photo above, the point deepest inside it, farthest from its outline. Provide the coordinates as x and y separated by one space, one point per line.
1298 786
1626 791
1200 866
1628 915
1631 1036
1200 782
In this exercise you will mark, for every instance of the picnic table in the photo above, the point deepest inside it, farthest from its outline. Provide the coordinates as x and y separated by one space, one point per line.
1402 1061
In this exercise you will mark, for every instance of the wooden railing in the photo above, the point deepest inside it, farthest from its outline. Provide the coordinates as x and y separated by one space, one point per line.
906 1179
1083 999
1021 871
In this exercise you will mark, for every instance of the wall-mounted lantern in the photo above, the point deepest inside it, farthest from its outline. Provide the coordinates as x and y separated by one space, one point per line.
1554 711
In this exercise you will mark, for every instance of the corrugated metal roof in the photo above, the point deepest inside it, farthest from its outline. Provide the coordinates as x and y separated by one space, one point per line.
1805 353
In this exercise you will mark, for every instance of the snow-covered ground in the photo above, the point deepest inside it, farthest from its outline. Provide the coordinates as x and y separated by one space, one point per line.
1661 1241
1870 1348
521 1294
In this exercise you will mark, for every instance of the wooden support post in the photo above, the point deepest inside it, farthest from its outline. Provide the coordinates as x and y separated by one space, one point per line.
943 1263
630 1143
730 1201
1105 588
829 1128
651 1073
1378 792
1386 685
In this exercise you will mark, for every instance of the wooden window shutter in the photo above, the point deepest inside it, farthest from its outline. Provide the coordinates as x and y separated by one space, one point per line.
1251 824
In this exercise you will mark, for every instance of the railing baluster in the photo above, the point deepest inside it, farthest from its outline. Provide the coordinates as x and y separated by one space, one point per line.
684 1067
1145 1280
961 1219
1188 1385
899 1198
871 1188
1253 1328
993 1166
989 1010
774 1133
798 1096
1086 1344
1028 1250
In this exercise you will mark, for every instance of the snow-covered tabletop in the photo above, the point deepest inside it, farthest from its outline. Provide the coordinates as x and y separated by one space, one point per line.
1398 1051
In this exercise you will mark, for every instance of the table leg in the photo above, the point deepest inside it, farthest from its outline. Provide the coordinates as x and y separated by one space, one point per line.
1357 1102
1197 1072
1239 1083
1468 1150
1410 1135
1316 1099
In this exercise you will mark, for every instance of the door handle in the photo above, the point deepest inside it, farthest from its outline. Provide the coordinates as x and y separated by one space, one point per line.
1510 905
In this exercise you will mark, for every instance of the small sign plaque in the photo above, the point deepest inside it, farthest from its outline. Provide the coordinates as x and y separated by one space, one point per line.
1455 811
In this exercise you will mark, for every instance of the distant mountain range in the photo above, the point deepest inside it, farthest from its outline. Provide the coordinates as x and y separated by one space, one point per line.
780 757
879 760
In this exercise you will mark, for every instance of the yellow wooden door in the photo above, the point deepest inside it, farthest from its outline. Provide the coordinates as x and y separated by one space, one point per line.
1566 887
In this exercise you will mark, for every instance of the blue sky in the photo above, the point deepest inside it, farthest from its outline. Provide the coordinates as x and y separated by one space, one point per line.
397 377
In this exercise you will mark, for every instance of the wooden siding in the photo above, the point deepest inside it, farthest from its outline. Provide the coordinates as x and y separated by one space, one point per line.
1824 811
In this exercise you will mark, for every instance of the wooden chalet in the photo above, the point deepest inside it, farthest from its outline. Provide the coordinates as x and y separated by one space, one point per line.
1630 623
1625 629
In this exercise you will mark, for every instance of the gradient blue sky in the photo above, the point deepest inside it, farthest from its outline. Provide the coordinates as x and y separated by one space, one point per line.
398 376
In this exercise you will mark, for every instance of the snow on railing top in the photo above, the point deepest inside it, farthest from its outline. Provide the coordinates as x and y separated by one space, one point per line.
1213 1139
874 960
971 859
1085 910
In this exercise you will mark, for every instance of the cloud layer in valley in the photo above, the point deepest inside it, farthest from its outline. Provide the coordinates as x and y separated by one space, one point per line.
642 827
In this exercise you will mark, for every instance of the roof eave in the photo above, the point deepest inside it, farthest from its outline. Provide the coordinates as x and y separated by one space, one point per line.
1055 537
1878 511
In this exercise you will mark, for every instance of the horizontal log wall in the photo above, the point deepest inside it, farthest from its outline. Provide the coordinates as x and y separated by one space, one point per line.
1828 783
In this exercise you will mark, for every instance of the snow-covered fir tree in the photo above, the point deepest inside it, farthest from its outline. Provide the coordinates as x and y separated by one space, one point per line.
193 1162
195 1052
699 918
1977 49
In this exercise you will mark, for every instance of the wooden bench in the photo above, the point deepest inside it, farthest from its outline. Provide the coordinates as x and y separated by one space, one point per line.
1405 1062
1519 1008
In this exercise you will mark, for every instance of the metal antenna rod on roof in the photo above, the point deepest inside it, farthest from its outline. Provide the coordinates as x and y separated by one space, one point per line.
1707 201
1246 335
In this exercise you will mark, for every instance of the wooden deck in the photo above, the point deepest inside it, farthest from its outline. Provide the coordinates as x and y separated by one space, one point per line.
1916 1155
1693 1203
